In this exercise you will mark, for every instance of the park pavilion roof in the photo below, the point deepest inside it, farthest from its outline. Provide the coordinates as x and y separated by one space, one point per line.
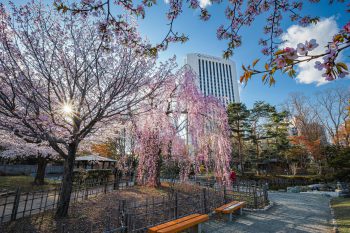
94 158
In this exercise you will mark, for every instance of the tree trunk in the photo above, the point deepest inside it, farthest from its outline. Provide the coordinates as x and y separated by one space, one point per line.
40 172
67 183
240 155
159 166
319 168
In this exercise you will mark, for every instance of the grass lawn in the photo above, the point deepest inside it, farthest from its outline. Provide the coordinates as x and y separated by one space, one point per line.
24 182
341 207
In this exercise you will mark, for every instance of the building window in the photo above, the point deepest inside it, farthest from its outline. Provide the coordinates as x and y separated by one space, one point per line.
211 78
200 74
207 78
220 73
218 77
225 79
233 84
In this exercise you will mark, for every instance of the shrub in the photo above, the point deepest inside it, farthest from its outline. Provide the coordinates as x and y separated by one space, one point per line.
96 175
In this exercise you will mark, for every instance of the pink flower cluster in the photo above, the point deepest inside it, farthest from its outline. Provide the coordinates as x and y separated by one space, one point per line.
332 71
288 54
181 112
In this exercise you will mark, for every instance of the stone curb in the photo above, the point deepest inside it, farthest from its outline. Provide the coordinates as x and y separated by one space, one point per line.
249 210
334 222
259 210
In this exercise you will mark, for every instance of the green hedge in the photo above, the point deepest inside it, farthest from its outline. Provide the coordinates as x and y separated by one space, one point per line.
283 181
97 175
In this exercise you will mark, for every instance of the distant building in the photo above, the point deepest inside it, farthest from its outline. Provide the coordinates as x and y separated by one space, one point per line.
215 77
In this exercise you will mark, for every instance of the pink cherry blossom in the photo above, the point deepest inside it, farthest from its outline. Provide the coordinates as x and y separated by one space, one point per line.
290 53
347 27
302 49
311 45
280 62
319 65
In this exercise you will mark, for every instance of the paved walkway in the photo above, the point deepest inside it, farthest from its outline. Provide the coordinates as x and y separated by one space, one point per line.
292 212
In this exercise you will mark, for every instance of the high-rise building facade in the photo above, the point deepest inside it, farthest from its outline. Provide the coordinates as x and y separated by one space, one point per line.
215 76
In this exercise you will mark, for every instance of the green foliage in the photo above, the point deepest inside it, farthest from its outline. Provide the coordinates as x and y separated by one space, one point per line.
238 116
97 175
340 157
259 132
268 126
25 183
341 207
170 170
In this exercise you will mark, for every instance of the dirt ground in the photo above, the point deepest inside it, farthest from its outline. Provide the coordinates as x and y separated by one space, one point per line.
92 215
102 213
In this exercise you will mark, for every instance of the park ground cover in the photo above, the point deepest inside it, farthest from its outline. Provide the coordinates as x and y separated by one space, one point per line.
95 214
341 207
25 183
86 215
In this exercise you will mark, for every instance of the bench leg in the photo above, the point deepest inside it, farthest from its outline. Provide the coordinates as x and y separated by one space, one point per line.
241 211
199 228
195 229
230 217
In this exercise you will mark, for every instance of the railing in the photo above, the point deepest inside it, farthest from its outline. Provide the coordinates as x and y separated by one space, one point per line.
139 216
135 216
18 204
254 193
28 169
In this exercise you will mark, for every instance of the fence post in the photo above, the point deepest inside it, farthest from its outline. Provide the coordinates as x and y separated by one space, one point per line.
15 204
86 190
255 197
225 200
266 197
105 189
204 200
176 206
126 225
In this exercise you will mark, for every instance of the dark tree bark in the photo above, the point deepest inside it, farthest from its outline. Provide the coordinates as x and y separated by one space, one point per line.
40 172
67 182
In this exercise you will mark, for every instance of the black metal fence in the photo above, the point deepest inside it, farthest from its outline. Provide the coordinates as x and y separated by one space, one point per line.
139 216
18 204
135 216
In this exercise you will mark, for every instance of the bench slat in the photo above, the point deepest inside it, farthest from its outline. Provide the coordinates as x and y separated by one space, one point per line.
185 225
221 208
155 229
235 207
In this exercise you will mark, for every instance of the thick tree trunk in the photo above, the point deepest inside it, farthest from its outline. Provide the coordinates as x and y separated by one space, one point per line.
40 172
67 183
159 167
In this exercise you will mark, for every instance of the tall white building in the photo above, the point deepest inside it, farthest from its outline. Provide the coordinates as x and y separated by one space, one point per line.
215 76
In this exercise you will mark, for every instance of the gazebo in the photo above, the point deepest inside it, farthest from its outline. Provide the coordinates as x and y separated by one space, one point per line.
89 161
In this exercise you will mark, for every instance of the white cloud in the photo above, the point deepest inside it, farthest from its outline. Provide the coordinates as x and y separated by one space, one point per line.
322 32
202 3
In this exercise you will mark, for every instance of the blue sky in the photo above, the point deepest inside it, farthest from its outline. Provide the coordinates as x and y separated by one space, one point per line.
203 40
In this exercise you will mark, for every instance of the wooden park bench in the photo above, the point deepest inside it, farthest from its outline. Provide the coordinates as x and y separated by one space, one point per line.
230 208
191 221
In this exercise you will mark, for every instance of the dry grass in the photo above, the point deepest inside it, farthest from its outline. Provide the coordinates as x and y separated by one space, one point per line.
341 207
92 214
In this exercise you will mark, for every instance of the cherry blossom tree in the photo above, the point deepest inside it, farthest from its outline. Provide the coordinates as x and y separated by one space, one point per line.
182 127
239 15
16 148
61 81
